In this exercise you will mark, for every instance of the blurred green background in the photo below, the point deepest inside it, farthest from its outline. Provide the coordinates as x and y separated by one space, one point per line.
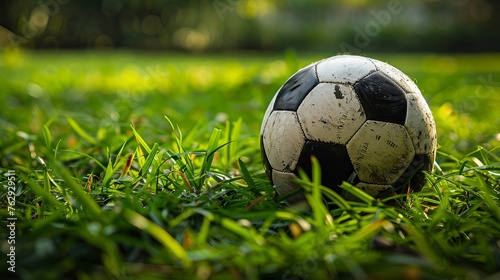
355 26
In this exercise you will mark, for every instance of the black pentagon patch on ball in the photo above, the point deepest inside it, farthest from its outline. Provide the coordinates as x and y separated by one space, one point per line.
265 161
382 100
296 89
414 174
336 166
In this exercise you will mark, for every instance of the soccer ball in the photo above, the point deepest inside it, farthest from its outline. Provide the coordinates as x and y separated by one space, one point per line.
364 120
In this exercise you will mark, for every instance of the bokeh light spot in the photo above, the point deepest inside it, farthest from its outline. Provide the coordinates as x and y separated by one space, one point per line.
191 39
103 41
151 25
480 10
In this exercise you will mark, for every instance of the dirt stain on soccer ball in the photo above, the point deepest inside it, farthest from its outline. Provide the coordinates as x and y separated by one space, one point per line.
338 93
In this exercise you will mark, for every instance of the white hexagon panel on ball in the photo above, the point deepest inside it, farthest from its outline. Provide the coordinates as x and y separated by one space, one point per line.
420 125
284 184
331 113
269 110
380 152
283 140
344 69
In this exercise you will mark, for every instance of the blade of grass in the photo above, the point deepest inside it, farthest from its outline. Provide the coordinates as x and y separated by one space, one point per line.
108 175
358 193
181 217
47 137
120 151
232 133
80 131
140 140
159 234
46 186
203 233
248 234
246 175
149 160
127 165
178 136
86 200
442 209
85 155
337 199
209 157
314 195
45 196
487 194
368 231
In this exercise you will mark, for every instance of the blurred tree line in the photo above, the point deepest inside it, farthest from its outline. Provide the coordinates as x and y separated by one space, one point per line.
215 25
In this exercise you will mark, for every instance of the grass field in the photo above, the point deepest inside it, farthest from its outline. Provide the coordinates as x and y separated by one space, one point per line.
147 165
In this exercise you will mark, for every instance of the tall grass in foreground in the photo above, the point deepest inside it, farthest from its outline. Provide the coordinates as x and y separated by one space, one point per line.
166 211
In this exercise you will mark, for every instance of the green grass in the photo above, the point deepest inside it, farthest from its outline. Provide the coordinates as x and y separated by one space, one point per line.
140 165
